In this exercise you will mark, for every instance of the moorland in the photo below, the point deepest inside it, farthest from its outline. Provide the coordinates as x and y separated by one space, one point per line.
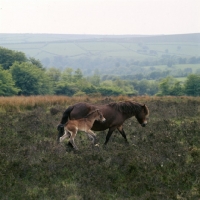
161 160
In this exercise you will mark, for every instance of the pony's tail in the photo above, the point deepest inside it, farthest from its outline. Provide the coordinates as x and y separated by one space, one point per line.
64 120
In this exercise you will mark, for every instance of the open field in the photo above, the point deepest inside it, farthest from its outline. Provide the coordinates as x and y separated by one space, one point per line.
124 46
176 67
161 161
111 55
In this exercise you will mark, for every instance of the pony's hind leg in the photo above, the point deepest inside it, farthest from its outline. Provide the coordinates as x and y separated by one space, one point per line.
60 129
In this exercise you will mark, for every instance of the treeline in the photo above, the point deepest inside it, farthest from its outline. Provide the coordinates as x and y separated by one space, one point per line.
120 66
20 75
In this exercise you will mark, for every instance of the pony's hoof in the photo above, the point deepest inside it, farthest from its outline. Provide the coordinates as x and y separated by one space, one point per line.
126 142
96 145
69 144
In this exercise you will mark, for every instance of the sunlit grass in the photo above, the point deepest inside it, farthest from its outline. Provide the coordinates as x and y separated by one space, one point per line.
21 103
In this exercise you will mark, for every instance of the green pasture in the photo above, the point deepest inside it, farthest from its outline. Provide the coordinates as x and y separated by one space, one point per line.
116 55
64 49
194 67
181 79
184 49
42 46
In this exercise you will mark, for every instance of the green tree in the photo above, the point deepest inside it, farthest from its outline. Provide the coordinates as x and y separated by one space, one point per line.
36 62
67 75
192 85
64 88
90 89
7 84
152 87
30 79
8 57
69 83
143 86
54 76
78 75
170 86
95 79
108 88
177 89
109 91
124 86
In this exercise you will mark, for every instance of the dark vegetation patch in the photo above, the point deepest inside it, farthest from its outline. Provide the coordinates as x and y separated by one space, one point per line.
162 161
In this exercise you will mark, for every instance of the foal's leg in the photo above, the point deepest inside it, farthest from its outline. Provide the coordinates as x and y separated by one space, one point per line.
91 135
73 135
67 134
121 130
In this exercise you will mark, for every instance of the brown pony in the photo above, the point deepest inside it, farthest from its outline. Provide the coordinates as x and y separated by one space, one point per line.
115 114
84 124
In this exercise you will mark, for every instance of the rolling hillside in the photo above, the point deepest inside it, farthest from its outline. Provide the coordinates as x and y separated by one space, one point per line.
105 53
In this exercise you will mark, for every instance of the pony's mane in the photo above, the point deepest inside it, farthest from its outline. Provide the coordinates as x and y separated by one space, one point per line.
129 107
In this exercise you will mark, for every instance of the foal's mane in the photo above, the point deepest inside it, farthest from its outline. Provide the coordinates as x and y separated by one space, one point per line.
129 107
91 113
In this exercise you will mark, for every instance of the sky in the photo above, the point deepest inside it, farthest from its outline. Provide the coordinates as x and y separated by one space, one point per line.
105 17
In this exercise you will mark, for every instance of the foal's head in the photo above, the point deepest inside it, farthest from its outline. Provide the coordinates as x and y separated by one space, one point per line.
142 116
99 116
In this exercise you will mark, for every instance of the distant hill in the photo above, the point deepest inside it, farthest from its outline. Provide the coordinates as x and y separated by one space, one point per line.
107 53
6 38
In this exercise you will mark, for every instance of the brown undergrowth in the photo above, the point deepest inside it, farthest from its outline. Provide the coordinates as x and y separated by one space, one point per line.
161 160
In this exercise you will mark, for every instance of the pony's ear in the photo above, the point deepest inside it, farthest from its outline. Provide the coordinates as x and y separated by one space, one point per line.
146 109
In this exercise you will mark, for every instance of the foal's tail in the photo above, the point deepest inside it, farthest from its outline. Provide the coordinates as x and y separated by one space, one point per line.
64 120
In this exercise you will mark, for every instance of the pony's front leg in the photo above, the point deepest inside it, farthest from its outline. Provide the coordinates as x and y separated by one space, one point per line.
109 134
121 130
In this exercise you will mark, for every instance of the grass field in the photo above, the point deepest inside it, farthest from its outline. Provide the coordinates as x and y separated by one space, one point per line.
193 67
117 46
161 161
111 55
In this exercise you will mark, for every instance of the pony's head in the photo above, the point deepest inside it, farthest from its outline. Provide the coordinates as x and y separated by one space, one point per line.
100 116
142 116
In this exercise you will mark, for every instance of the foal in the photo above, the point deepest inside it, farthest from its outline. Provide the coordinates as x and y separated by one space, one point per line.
84 124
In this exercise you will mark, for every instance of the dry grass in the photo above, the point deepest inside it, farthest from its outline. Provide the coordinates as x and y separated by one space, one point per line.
22 103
